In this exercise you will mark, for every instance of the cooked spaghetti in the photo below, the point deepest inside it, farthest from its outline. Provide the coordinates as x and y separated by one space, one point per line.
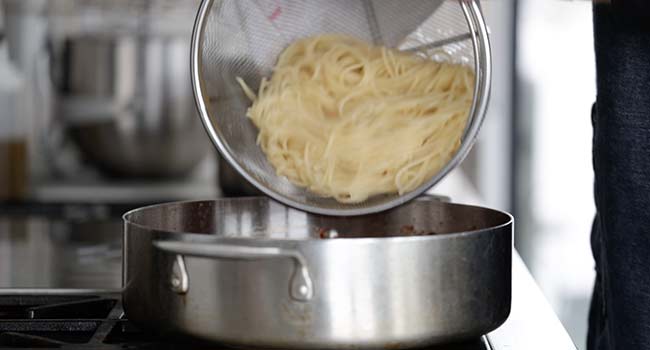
348 120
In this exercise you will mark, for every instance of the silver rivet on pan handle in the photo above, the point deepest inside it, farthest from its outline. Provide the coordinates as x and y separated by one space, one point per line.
179 281
300 285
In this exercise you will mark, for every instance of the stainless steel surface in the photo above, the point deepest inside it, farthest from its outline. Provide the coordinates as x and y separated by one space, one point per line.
126 101
387 281
236 38
532 324
40 252
90 189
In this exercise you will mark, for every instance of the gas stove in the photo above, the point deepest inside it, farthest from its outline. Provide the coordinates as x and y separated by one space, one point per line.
77 319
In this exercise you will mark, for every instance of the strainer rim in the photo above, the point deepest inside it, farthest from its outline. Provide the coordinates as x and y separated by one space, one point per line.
482 66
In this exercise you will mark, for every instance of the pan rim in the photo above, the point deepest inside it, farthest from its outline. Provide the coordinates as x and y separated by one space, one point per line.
207 237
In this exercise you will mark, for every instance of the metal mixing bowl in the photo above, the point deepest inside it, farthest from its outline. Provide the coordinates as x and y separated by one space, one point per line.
120 70
140 153
127 103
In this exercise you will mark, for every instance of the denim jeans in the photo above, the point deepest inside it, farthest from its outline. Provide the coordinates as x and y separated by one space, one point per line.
619 318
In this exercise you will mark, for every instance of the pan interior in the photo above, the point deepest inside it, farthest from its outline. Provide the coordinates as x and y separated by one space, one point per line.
260 217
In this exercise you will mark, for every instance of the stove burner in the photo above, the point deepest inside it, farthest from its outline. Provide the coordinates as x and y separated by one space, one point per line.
72 322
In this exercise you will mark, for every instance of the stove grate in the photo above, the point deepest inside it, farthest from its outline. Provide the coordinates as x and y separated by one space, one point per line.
72 322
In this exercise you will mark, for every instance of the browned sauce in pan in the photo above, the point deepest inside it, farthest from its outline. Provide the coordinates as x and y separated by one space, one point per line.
405 230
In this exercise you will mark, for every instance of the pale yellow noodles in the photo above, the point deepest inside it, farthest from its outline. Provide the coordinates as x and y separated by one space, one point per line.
349 120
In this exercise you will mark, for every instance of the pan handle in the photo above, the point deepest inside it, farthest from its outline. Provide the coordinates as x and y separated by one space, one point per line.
300 288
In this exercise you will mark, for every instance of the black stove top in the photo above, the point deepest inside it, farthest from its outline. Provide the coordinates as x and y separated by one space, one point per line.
96 321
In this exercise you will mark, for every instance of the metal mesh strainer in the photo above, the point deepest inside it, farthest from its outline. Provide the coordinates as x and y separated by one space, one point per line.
244 37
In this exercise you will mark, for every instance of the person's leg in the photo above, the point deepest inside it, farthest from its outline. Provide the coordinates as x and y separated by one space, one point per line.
620 314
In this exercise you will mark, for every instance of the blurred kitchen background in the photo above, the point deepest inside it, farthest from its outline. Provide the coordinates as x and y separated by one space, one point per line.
97 117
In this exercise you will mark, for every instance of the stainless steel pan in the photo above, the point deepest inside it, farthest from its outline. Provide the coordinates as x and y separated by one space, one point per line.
252 272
